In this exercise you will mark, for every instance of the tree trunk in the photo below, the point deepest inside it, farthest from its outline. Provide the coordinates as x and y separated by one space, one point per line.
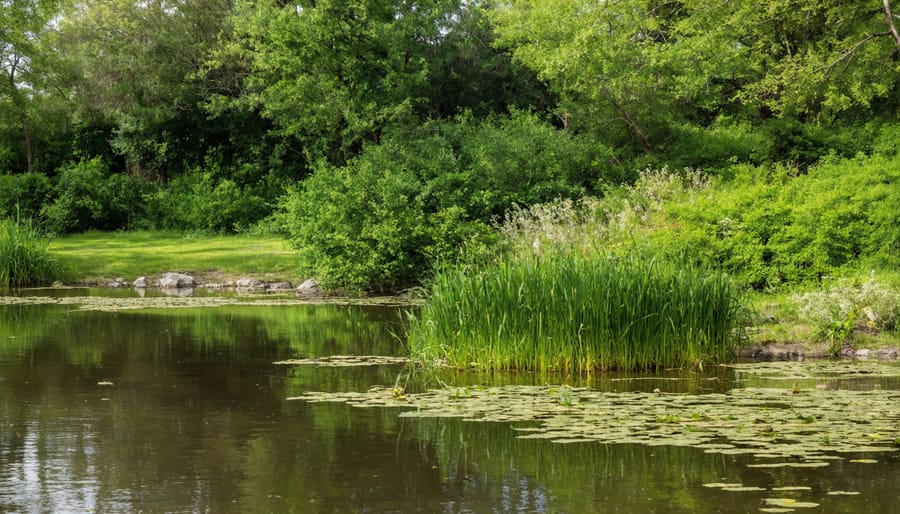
29 147
630 120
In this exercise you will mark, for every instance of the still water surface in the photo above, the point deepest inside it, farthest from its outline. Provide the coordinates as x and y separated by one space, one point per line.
183 410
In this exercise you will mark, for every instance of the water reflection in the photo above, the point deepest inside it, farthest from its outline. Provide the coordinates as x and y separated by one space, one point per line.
183 411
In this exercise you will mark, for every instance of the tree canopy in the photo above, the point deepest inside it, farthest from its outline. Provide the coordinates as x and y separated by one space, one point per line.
422 122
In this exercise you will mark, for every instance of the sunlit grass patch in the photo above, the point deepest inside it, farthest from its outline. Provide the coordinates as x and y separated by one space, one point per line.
103 255
569 313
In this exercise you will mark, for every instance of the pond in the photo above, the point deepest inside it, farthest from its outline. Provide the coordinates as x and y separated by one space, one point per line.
241 405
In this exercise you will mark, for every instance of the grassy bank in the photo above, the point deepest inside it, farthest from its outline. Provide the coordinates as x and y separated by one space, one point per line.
578 314
100 256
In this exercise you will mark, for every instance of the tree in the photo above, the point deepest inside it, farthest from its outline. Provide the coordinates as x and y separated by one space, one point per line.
23 23
139 64
333 73
634 69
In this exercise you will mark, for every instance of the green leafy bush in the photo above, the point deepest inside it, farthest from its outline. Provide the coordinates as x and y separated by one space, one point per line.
200 201
88 197
365 226
428 194
769 225
24 195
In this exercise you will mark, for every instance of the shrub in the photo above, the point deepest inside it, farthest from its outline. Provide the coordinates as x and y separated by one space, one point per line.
365 226
425 195
24 258
200 201
24 195
88 197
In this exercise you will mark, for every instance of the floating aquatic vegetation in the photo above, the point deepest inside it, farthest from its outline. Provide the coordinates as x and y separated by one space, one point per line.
843 493
790 503
808 370
743 489
775 425
104 303
339 361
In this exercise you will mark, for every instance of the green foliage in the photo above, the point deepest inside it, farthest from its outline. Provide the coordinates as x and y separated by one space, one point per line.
24 258
137 70
770 226
773 225
333 73
359 226
632 71
200 201
381 221
568 313
23 195
88 196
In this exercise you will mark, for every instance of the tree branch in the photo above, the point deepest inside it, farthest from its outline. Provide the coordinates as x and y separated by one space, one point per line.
850 51
890 18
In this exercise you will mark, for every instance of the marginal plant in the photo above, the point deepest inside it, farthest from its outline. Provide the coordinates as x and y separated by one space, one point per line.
24 257
574 313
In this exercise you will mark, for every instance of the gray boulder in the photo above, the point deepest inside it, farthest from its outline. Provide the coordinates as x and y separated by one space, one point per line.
118 283
176 281
280 286
141 283
249 283
309 287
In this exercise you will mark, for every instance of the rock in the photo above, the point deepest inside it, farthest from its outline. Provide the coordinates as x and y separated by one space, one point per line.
870 315
176 281
249 283
141 283
309 287
280 286
119 282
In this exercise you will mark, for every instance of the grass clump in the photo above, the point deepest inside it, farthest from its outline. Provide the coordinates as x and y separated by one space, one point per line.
24 257
578 314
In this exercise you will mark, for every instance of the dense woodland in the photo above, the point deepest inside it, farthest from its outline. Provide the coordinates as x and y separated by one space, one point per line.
382 136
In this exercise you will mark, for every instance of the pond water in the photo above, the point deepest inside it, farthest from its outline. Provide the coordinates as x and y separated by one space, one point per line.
185 410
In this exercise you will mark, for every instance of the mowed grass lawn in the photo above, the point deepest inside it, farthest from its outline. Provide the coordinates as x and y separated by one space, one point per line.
99 256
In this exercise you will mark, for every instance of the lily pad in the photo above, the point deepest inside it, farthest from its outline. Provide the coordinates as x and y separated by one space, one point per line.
790 503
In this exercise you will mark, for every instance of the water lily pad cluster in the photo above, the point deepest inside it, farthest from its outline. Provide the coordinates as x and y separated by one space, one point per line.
340 361
807 370
779 427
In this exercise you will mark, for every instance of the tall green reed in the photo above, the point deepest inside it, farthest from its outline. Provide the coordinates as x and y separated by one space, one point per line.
578 314
24 256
